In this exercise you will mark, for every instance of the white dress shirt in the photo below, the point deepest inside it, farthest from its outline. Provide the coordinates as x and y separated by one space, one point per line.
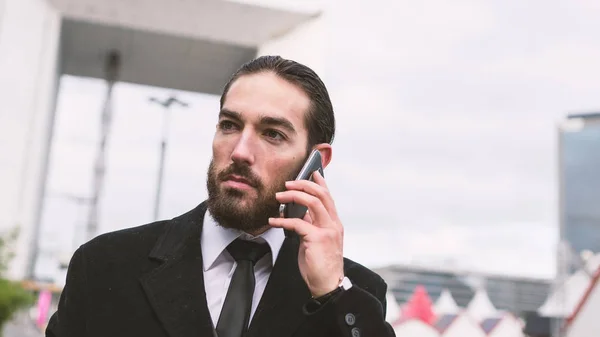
219 265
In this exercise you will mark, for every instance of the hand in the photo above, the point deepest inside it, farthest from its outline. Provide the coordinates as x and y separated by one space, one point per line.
321 258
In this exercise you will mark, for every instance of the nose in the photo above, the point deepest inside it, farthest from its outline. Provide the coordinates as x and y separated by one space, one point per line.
242 152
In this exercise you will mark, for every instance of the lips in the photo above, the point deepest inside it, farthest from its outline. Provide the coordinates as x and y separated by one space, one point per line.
238 179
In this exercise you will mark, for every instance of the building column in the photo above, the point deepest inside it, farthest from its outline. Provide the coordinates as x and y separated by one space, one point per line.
29 64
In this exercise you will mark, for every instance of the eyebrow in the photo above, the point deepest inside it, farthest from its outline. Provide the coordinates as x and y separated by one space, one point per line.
224 113
267 120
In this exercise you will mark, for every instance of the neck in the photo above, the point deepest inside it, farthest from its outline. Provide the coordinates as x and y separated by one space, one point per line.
259 231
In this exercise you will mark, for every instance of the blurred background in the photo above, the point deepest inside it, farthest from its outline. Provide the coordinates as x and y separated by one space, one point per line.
466 164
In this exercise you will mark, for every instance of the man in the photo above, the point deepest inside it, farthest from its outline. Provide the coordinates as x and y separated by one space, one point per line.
232 266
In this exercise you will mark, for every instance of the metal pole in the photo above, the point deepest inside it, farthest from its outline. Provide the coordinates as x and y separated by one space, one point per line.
166 105
160 178
161 164
113 63
560 251
79 201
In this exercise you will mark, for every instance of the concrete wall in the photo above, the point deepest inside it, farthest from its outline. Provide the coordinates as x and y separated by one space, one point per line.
2 4
29 44
305 44
193 18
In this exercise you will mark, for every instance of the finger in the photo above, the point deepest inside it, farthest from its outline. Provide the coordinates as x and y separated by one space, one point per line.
317 190
318 213
329 203
319 179
299 226
307 217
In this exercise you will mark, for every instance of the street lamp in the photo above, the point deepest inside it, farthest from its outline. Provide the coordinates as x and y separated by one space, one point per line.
80 201
62 253
166 105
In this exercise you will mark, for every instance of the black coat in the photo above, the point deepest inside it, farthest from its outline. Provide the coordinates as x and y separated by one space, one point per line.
148 281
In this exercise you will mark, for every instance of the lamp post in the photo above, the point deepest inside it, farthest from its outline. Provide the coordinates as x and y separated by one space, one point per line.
166 105
112 71
80 201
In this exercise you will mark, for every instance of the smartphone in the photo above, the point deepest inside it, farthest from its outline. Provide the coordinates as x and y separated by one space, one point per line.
312 164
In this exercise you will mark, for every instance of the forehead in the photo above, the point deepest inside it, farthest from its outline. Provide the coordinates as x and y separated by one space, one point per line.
266 94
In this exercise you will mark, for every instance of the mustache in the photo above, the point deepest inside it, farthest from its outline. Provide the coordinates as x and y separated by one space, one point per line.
242 171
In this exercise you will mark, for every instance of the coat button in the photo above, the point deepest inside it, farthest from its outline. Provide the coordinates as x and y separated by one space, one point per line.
355 332
350 319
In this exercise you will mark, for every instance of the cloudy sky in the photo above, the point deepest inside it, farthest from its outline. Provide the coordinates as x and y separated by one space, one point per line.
446 143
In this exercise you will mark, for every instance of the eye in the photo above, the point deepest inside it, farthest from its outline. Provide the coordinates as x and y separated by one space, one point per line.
274 134
227 125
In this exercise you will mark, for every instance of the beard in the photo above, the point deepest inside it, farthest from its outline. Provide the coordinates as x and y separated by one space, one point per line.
232 208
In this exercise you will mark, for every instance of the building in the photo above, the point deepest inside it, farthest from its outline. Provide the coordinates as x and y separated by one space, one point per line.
402 280
183 45
517 294
579 167
513 294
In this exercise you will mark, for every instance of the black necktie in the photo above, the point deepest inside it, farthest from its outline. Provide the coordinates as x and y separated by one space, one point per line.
235 315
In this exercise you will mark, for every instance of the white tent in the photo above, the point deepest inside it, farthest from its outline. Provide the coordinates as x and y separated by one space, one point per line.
506 325
445 304
481 307
585 317
415 328
563 300
393 312
463 326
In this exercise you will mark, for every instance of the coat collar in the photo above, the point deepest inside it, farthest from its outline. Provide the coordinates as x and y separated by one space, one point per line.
176 289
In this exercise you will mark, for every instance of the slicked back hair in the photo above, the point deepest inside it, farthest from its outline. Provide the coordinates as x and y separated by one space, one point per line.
319 119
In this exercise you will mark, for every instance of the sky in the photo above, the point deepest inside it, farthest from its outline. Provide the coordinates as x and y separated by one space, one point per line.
445 153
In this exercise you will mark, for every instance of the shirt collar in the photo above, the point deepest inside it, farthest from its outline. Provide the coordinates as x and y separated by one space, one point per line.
216 238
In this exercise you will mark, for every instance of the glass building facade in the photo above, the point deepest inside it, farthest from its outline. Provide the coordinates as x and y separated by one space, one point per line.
579 167
403 280
514 294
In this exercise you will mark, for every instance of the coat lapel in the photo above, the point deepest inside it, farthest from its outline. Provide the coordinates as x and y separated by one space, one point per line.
279 312
176 288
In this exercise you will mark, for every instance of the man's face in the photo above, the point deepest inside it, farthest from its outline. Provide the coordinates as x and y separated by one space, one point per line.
260 143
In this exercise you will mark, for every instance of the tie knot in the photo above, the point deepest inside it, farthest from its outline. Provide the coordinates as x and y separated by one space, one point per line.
247 250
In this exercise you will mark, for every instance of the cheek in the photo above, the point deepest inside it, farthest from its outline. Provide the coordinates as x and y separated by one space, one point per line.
283 170
220 150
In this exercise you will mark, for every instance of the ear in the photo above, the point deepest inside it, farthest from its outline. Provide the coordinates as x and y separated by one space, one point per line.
326 153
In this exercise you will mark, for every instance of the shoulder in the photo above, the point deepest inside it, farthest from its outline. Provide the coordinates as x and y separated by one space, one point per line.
141 240
125 242
140 235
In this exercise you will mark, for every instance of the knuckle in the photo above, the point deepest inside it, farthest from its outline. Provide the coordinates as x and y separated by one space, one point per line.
314 201
331 234
322 191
